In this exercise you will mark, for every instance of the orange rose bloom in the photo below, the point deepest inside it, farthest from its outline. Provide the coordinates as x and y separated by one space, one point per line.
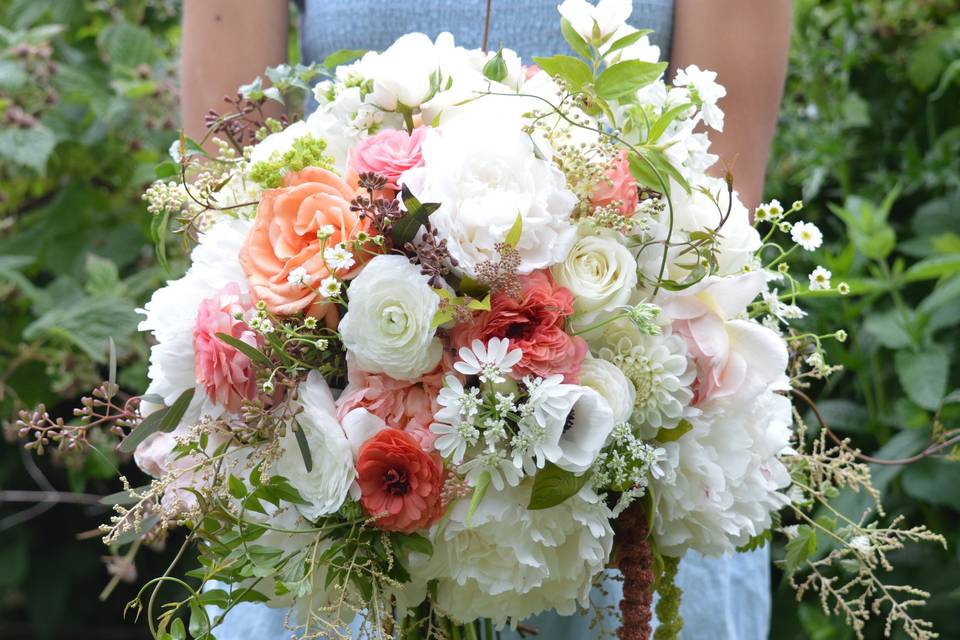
284 237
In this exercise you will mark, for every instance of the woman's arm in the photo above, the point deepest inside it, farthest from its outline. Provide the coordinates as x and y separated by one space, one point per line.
226 43
746 42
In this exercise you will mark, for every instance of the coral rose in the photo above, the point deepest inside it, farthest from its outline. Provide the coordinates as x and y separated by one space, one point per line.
224 372
617 187
399 483
284 238
389 153
534 323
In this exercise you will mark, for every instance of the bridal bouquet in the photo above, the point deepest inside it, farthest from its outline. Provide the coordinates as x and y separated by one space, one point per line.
470 334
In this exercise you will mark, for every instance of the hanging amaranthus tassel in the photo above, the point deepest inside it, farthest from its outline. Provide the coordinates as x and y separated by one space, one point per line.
669 621
636 565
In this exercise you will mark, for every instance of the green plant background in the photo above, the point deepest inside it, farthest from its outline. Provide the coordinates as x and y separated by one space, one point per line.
869 137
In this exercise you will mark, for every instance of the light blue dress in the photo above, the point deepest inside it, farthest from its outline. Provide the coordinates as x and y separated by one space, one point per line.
725 598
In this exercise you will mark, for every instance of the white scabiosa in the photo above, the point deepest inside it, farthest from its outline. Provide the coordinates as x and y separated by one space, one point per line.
387 326
724 478
511 562
601 274
326 485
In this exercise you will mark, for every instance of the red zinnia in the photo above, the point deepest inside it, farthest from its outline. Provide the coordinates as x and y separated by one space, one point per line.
534 323
399 483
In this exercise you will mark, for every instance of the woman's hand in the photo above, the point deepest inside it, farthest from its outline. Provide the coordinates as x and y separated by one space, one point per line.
226 43
746 42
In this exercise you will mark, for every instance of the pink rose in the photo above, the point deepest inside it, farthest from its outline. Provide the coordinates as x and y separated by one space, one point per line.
533 322
224 372
389 153
618 187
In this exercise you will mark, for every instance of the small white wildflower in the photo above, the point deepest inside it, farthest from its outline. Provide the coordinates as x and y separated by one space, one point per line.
775 209
325 231
298 277
785 226
338 257
330 287
490 362
861 544
820 279
840 335
322 344
310 322
843 288
807 235
267 387
761 213
266 326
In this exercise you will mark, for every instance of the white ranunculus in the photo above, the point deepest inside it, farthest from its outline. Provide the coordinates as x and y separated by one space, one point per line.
607 380
600 272
402 74
387 326
328 482
171 314
484 173
724 478
512 562
596 23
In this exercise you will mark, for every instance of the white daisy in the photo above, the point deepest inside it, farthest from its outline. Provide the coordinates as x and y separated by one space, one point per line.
490 362
338 257
330 287
807 235
298 277
820 279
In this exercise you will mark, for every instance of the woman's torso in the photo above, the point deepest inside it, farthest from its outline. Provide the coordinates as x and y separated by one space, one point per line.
529 27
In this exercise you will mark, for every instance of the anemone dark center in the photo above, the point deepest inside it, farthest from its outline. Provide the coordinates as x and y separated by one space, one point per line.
396 483
571 418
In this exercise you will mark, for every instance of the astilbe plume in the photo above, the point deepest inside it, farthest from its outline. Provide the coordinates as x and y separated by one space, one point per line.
636 565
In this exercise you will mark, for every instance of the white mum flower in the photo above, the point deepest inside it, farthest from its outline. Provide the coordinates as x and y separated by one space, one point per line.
514 561
807 235
820 279
491 361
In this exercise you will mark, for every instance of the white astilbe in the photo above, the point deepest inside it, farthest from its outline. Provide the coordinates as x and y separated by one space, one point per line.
724 477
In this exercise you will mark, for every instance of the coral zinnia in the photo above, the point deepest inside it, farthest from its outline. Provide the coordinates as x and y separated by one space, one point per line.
399 483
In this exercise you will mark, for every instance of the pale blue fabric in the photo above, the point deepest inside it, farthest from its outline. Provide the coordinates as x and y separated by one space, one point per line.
724 598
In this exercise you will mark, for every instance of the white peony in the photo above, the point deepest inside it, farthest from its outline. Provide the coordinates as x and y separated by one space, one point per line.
596 23
388 322
607 380
513 562
484 173
601 274
171 314
724 477
328 482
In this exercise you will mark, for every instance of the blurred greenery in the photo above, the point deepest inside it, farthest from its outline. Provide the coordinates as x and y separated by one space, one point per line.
869 138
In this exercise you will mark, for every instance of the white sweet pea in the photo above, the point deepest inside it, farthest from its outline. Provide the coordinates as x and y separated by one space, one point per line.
607 380
600 272
387 326
596 24
327 484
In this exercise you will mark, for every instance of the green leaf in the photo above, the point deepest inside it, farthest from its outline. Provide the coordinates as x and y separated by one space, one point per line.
163 420
12 75
127 45
933 481
27 147
933 268
923 375
251 352
343 56
406 228
304 446
574 39
801 547
123 497
103 277
236 487
552 485
674 434
661 124
513 236
177 630
478 492
626 77
416 543
887 327
572 70
496 67
87 323
627 40
653 168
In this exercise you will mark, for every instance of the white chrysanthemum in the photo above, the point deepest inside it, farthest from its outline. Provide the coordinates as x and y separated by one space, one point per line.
483 172
171 313
807 235
658 368
724 478
513 562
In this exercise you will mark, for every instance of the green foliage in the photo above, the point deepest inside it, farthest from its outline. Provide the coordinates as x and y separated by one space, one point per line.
306 152
870 139
86 96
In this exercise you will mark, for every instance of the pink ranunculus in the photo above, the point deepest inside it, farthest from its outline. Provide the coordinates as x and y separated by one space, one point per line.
533 322
618 186
401 404
225 373
389 153
732 355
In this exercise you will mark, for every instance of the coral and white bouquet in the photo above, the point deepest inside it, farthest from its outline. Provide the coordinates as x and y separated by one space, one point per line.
468 335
